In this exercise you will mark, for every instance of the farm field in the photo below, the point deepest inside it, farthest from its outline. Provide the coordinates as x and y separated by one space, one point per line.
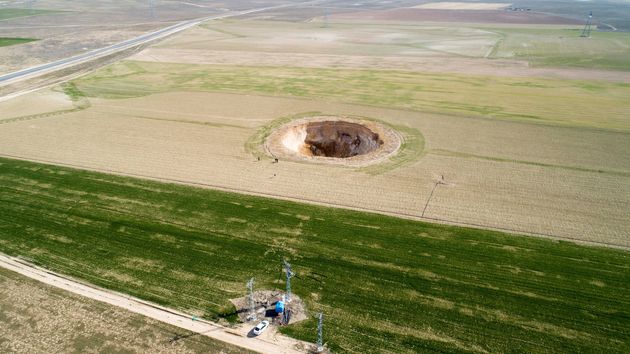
399 15
7 13
559 47
31 311
448 5
5 42
503 162
555 102
385 284
41 318
500 225
67 28
564 48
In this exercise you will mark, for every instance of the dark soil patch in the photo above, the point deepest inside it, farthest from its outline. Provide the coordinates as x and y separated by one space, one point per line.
340 139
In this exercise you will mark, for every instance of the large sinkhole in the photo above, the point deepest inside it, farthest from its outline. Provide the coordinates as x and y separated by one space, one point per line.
331 139
339 139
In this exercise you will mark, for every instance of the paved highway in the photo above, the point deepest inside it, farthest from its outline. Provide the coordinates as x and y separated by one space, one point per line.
81 58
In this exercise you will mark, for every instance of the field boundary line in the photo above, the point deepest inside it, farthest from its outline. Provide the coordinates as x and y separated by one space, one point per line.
408 216
145 308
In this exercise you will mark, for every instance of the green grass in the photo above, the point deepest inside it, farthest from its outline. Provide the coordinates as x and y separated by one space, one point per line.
13 13
71 90
5 42
540 101
384 284
565 48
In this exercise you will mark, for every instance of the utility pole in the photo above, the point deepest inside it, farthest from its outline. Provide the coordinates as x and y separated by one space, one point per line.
250 299
320 337
586 32
289 275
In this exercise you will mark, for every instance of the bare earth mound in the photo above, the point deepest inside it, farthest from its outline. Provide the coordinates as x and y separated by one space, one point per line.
265 303
339 140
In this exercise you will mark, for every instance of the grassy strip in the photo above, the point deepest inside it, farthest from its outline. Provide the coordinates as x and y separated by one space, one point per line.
385 284
5 42
13 13
540 101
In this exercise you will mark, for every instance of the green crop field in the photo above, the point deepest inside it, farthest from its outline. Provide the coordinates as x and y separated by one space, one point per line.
384 284
565 48
13 13
542 101
5 42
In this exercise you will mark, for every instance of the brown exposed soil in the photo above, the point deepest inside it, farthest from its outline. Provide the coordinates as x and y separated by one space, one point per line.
265 304
340 139
329 139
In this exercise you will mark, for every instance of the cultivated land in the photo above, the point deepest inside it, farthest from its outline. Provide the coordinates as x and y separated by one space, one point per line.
5 42
495 135
70 28
37 318
462 6
503 145
563 47
385 284
7 13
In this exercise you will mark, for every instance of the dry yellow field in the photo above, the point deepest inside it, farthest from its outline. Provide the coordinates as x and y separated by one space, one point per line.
40 102
37 318
493 145
556 181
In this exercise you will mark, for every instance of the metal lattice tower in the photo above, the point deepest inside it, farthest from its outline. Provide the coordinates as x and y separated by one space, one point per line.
290 274
320 337
586 32
250 300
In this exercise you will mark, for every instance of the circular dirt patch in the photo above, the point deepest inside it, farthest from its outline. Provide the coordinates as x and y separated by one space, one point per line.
340 140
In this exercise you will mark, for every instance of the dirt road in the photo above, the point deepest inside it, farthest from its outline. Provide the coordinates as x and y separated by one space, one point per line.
270 342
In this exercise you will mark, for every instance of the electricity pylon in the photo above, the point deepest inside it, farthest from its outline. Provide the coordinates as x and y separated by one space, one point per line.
586 32
250 299
290 274
320 337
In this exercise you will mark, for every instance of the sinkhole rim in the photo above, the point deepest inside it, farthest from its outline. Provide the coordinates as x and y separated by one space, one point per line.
288 141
